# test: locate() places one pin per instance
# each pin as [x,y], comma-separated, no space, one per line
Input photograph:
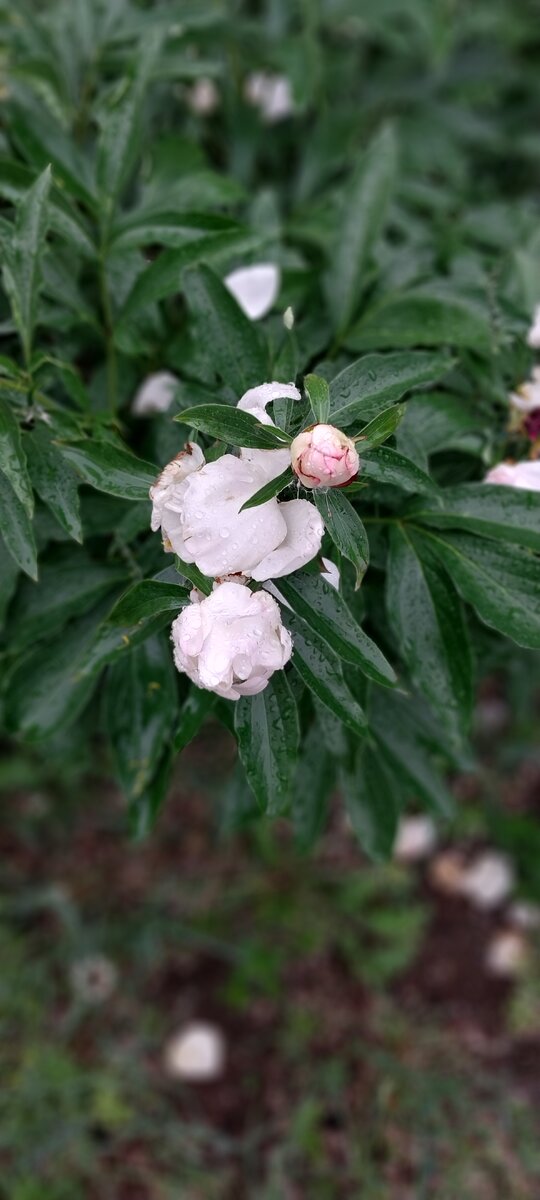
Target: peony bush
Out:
[269,393]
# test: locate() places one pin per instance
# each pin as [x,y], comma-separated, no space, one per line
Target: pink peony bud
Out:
[323,456]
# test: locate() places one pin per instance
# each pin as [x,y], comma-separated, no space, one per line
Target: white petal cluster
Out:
[520,475]
[232,641]
[533,336]
[155,394]
[527,397]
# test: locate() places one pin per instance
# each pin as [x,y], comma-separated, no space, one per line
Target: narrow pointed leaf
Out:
[318,394]
[13,458]
[271,489]
[345,528]
[322,672]
[234,426]
[267,730]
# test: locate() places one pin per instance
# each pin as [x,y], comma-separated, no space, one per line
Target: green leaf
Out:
[380,428]
[69,582]
[145,807]
[64,219]
[501,582]
[234,426]
[196,577]
[345,528]
[120,136]
[142,611]
[409,746]
[47,690]
[165,276]
[192,714]
[271,489]
[431,636]
[505,513]
[422,317]
[371,803]
[140,711]
[238,355]
[322,673]
[12,457]
[318,394]
[325,611]
[313,783]
[9,573]
[174,229]
[17,530]
[54,481]
[110,469]
[364,212]
[268,732]
[22,269]
[387,466]
[373,383]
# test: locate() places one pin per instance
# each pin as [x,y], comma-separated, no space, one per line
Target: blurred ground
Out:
[370,1051]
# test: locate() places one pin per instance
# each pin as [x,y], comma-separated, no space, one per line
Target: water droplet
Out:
[372,375]
[224,533]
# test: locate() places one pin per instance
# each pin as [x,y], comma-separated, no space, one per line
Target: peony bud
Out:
[521,475]
[324,457]
[254,288]
[232,641]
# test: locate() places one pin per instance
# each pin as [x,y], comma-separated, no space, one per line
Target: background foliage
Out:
[401,203]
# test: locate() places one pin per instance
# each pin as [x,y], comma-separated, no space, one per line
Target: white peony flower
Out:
[506,954]
[254,288]
[256,399]
[416,839]
[521,475]
[527,397]
[196,1053]
[323,456]
[203,97]
[533,336]
[155,395]
[488,880]
[232,641]
[271,94]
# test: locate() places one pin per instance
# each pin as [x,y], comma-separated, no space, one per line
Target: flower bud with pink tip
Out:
[323,456]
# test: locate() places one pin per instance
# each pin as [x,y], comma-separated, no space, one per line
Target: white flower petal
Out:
[219,538]
[521,475]
[256,399]
[331,573]
[533,336]
[196,1053]
[155,395]
[165,490]
[254,288]
[305,531]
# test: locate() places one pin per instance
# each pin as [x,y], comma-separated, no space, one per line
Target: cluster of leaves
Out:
[400,202]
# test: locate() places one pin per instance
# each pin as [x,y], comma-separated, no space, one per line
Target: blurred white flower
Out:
[288,318]
[533,336]
[155,395]
[203,97]
[416,838]
[526,398]
[271,94]
[254,288]
[323,456]
[521,475]
[506,954]
[232,641]
[447,871]
[489,880]
[196,1053]
[524,914]
[331,573]
[93,978]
